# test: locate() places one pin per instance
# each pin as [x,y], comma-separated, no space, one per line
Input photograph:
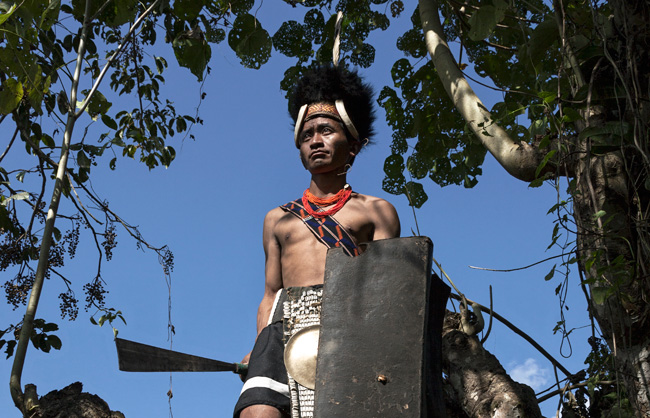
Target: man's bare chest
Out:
[290,230]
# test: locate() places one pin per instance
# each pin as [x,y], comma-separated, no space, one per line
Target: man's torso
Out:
[303,255]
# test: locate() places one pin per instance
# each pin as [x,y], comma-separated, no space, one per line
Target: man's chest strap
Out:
[327,229]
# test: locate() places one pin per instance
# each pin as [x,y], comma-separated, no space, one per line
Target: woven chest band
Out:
[327,230]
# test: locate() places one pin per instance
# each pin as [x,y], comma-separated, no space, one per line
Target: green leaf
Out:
[50,15]
[82,160]
[570,115]
[547,157]
[484,20]
[241,6]
[538,127]
[54,341]
[599,214]
[9,350]
[602,134]
[8,13]
[50,326]
[109,122]
[291,40]
[415,193]
[250,41]
[98,104]
[161,64]
[20,176]
[541,40]
[192,52]
[10,95]
[394,165]
[599,294]
[401,69]
[550,274]
[48,141]
[547,96]
[92,321]
[187,9]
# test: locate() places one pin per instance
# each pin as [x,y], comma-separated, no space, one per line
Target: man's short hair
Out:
[329,84]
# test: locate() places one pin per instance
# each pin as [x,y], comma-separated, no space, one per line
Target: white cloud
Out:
[530,373]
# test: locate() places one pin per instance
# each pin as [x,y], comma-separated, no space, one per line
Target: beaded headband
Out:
[336,111]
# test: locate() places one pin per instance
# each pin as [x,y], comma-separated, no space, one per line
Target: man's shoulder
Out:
[381,214]
[372,201]
[273,215]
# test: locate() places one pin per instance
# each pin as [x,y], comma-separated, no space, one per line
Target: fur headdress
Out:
[340,94]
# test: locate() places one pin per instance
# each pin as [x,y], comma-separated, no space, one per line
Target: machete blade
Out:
[137,357]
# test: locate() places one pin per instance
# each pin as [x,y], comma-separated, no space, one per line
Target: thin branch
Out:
[571,387]
[80,203]
[447,276]
[116,53]
[37,205]
[521,334]
[65,280]
[521,268]
[487,333]
[94,233]
[9,145]
[129,228]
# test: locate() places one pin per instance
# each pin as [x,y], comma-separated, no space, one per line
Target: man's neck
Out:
[323,185]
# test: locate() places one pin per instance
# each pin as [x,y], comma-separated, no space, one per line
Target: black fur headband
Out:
[329,84]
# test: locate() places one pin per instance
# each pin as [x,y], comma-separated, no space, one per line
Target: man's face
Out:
[324,146]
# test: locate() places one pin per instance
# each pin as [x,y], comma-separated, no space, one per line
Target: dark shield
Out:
[379,353]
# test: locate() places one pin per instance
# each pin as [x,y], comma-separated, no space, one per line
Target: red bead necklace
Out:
[338,200]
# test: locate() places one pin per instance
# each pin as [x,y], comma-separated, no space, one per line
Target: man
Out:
[332,109]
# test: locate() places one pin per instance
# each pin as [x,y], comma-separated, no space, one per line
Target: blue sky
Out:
[209,206]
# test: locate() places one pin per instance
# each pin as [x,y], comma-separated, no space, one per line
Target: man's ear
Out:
[355,148]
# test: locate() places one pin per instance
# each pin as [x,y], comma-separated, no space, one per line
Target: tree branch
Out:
[9,145]
[521,268]
[520,333]
[118,51]
[519,159]
[571,387]
[46,241]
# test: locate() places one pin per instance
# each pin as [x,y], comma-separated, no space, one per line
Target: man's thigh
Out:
[260,411]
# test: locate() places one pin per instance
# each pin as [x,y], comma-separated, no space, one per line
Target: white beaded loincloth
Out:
[302,309]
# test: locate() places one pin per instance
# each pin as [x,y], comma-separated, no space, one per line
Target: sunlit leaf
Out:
[10,95]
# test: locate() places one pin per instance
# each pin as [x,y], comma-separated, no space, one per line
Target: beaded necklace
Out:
[339,200]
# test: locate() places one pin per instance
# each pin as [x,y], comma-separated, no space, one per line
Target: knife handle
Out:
[241,369]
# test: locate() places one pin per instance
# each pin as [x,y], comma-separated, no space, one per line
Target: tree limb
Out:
[520,333]
[13,138]
[46,242]
[519,159]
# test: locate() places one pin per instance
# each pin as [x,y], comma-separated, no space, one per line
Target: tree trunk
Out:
[611,255]
[477,385]
[614,245]
[70,402]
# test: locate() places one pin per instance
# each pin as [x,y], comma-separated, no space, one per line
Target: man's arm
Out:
[272,269]
[272,272]
[385,219]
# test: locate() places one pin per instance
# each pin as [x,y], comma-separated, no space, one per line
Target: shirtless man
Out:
[328,143]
